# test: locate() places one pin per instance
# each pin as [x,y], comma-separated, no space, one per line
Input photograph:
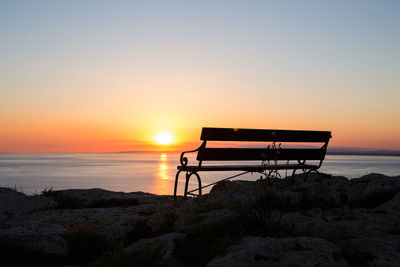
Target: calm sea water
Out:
[147,172]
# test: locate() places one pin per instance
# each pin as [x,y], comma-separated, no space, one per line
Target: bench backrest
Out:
[256,135]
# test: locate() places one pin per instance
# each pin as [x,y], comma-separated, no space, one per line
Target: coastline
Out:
[338,222]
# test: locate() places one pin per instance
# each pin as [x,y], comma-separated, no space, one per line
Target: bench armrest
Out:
[184,160]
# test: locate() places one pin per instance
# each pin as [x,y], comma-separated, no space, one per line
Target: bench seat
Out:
[248,168]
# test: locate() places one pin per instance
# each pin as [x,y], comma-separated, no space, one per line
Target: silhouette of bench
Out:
[272,157]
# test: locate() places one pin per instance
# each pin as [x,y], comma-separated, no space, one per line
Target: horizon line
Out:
[331,151]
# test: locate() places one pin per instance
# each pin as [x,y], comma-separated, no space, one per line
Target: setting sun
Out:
[163,138]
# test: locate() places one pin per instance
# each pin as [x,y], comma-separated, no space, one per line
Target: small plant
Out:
[263,217]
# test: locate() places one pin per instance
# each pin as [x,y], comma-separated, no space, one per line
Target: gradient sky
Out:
[95,76]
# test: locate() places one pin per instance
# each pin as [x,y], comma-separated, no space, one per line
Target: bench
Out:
[271,158]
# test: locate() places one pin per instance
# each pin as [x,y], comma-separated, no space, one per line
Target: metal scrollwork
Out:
[184,160]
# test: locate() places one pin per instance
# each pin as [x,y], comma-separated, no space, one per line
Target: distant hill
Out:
[359,151]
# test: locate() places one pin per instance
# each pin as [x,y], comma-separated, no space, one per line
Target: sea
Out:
[150,172]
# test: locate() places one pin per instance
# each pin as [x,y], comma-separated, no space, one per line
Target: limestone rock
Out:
[380,182]
[376,251]
[363,187]
[303,251]
[318,193]
[237,193]
[95,197]
[112,223]
[361,215]
[45,238]
[14,204]
[192,222]
[161,247]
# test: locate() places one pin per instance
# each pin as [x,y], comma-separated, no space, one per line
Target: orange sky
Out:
[81,78]
[53,136]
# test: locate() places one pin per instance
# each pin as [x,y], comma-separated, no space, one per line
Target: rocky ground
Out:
[336,222]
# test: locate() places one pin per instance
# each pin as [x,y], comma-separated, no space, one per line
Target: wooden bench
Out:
[272,157]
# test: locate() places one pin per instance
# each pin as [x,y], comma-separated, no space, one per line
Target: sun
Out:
[163,138]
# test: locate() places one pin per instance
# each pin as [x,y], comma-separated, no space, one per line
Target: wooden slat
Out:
[249,168]
[256,135]
[215,154]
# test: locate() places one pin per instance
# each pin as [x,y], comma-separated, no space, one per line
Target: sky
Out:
[104,76]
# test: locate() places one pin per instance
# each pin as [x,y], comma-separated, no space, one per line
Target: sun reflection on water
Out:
[162,184]
[163,171]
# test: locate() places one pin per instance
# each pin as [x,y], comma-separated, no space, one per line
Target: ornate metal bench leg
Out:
[186,185]
[176,184]
[199,182]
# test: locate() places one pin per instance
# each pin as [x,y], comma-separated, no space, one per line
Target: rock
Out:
[236,193]
[303,251]
[374,251]
[386,217]
[14,204]
[391,207]
[292,197]
[100,198]
[318,193]
[362,216]
[304,223]
[361,188]
[44,238]
[162,220]
[379,183]
[94,194]
[331,225]
[112,223]
[8,192]
[192,222]
[92,198]
[158,247]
